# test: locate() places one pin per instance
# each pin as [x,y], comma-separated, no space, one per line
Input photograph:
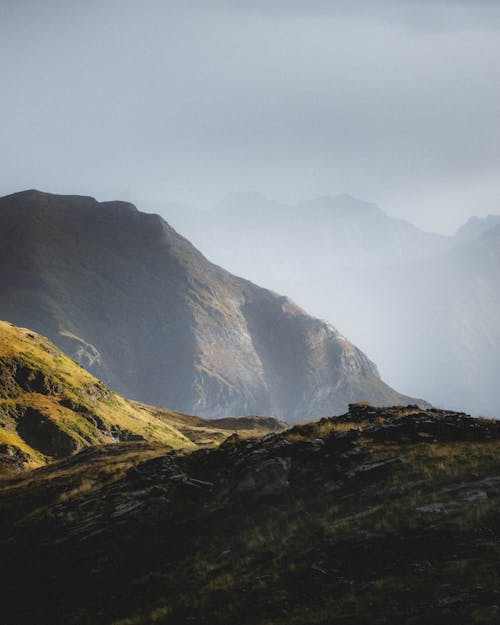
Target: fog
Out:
[395,102]
[171,105]
[425,307]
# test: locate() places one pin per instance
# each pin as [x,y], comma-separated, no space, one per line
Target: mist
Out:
[172,101]
[393,109]
[424,306]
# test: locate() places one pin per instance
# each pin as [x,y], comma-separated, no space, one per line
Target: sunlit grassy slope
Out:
[50,407]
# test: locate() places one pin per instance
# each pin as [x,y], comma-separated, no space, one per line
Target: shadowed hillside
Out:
[142,309]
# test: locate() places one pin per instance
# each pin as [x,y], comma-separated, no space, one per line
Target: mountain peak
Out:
[171,328]
[34,195]
[474,227]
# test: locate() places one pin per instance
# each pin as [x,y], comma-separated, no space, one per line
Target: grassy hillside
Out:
[51,408]
[379,517]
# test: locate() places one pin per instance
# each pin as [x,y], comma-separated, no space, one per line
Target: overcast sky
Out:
[157,101]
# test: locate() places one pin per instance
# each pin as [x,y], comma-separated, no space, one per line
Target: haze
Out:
[173,105]
[184,101]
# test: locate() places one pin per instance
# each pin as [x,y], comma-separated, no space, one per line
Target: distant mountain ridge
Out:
[476,227]
[302,239]
[423,305]
[146,312]
[324,232]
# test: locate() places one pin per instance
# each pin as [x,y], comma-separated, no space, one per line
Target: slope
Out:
[51,408]
[433,325]
[378,517]
[299,241]
[139,306]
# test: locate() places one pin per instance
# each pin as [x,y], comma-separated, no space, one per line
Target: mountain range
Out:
[302,239]
[425,307]
[137,305]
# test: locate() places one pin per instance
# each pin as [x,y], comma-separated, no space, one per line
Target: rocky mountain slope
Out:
[380,516]
[50,408]
[141,308]
[424,306]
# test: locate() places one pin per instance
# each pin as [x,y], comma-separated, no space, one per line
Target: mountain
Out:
[424,306]
[476,227]
[141,308]
[50,408]
[434,325]
[455,301]
[378,517]
[301,239]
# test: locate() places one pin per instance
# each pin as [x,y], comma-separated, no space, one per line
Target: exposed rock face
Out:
[426,307]
[141,308]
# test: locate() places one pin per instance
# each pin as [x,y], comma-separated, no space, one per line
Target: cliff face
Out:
[141,308]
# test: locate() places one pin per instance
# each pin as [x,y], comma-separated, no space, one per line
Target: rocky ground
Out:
[382,515]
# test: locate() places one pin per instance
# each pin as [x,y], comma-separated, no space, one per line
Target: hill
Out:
[380,516]
[51,408]
[142,309]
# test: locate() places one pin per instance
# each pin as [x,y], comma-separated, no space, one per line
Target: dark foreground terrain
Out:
[379,516]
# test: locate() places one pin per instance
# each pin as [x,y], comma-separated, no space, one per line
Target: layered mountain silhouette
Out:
[476,227]
[301,240]
[432,325]
[141,308]
[445,313]
[425,306]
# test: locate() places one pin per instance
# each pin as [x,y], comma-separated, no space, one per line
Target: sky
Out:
[186,100]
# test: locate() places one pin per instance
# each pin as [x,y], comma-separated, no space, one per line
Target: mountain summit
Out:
[135,303]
